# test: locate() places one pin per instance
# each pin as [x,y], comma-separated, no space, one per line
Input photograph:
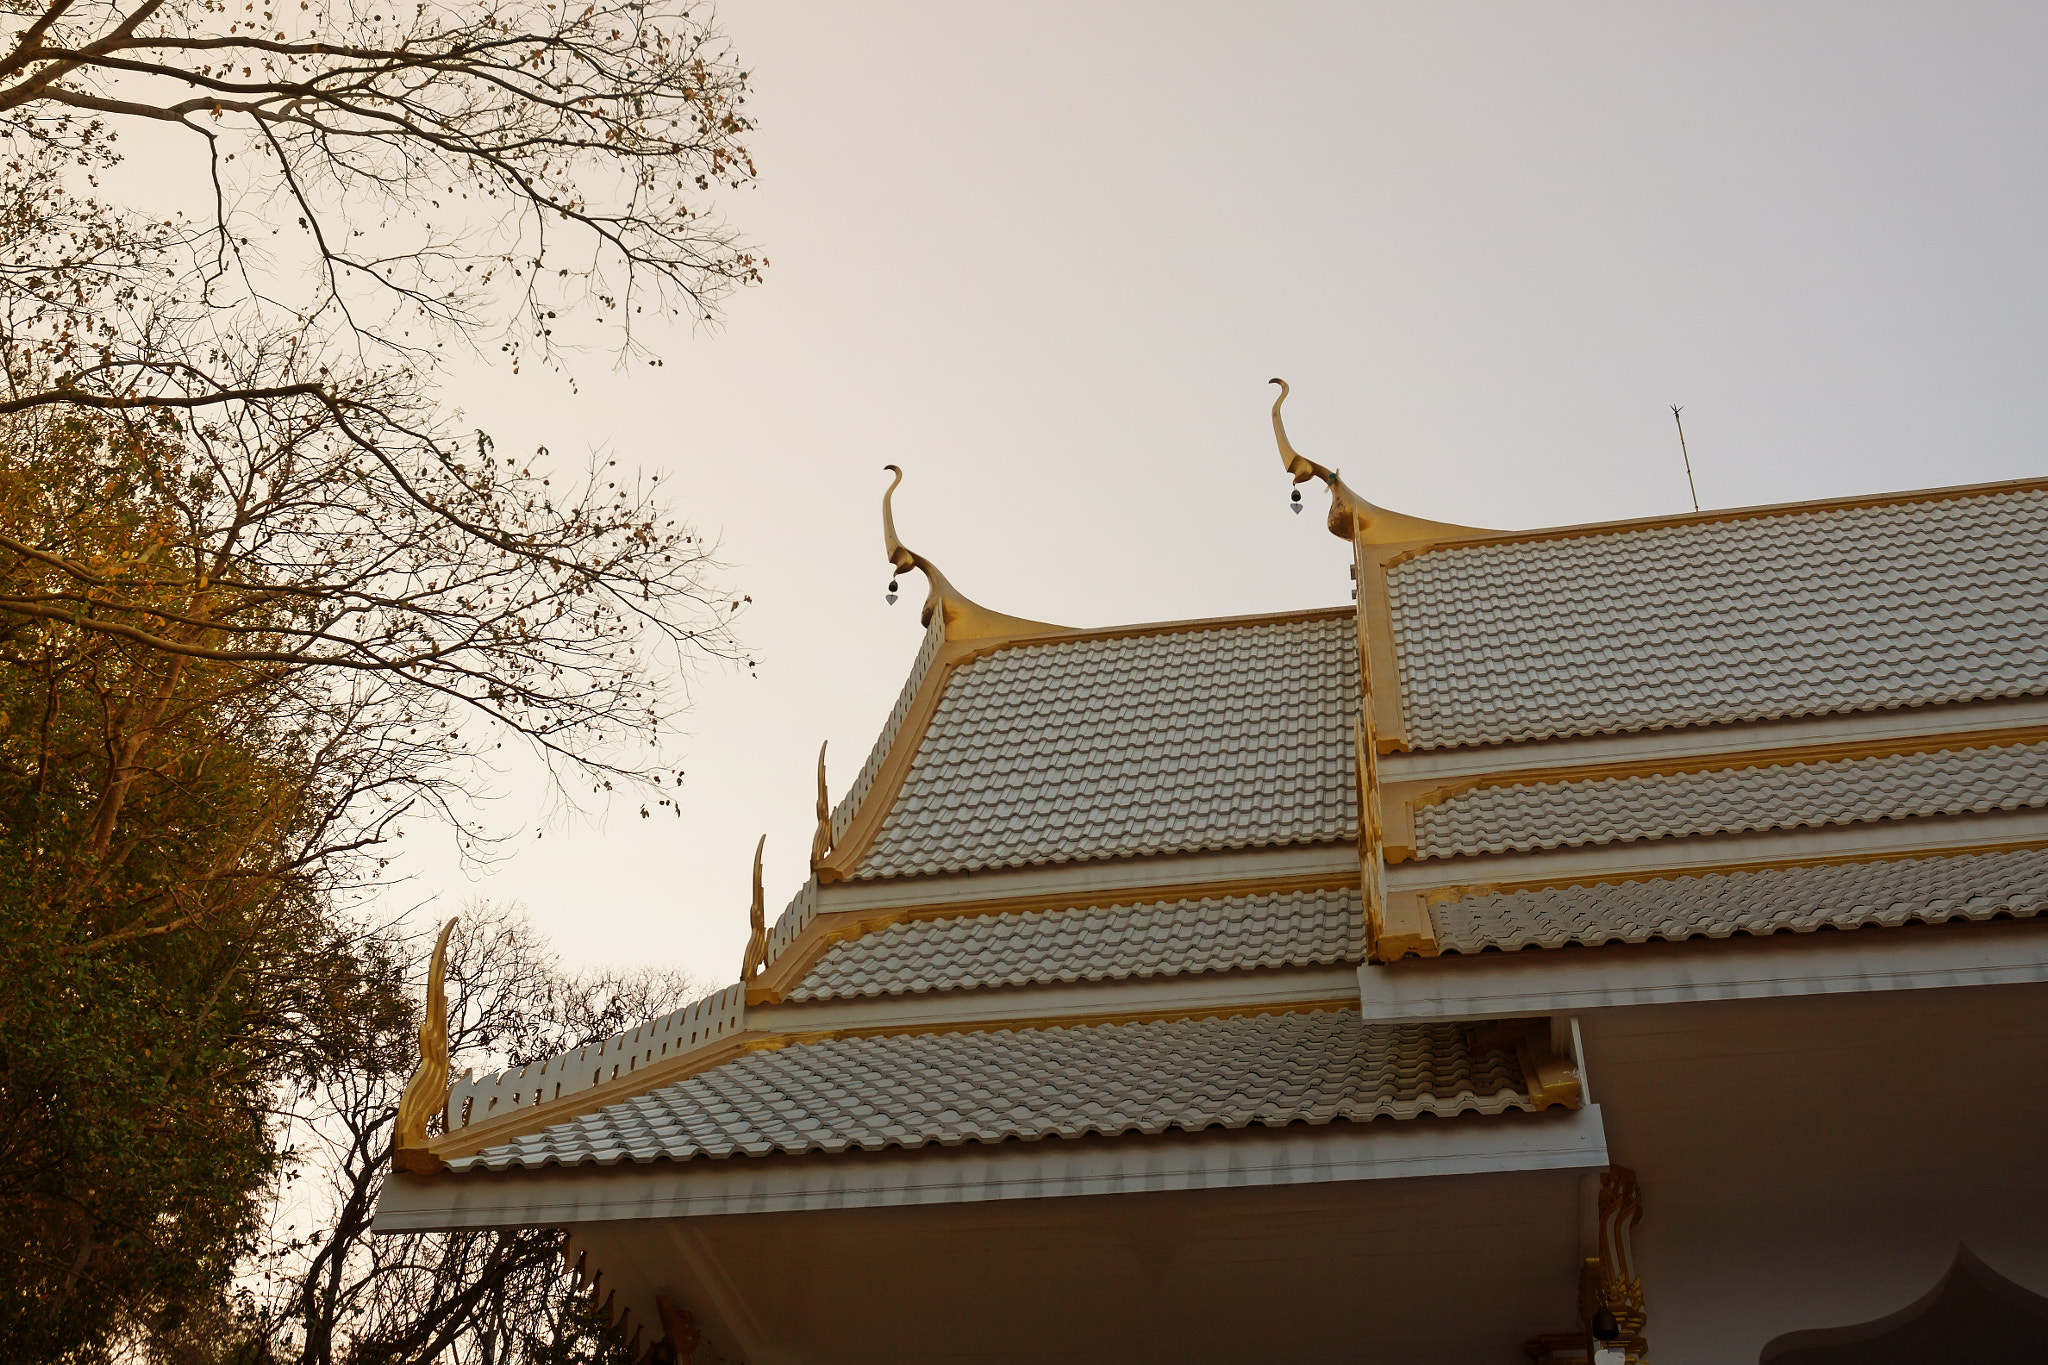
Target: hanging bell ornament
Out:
[891,594]
[1294,501]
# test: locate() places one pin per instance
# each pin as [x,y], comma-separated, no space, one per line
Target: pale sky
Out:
[1046,257]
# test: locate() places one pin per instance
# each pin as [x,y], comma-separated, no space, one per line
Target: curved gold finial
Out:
[1352,517]
[427,1092]
[964,619]
[757,918]
[821,842]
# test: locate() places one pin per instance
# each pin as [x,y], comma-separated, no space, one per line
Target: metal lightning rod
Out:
[1686,456]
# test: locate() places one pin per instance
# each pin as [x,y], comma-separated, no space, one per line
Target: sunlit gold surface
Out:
[965,619]
[757,920]
[1610,1280]
[1352,517]
[821,840]
[427,1092]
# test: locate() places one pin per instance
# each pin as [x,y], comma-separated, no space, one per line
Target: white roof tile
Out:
[1292,929]
[1218,738]
[864,780]
[909,1091]
[1798,613]
[1783,796]
[1977,886]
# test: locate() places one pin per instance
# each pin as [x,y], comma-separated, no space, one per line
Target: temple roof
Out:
[1121,880]
[1230,933]
[1888,892]
[911,1090]
[1928,598]
[1519,817]
[1059,749]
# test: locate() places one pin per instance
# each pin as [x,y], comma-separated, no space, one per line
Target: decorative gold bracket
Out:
[1609,1282]
[964,619]
[427,1092]
[757,919]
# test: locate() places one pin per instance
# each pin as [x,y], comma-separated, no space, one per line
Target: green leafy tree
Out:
[262,596]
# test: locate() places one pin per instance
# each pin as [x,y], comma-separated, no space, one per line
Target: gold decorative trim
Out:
[1609,1284]
[1351,517]
[757,922]
[821,841]
[964,619]
[1403,799]
[426,1094]
[1381,726]
[866,825]
[1549,1077]
[803,953]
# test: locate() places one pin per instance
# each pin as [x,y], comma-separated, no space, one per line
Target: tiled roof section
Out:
[1227,737]
[1801,613]
[864,781]
[1978,886]
[913,1090]
[1293,929]
[1784,796]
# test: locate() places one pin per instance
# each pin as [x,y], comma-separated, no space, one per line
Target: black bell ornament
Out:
[1294,501]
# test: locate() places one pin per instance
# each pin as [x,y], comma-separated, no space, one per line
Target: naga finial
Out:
[1352,517]
[963,619]
[427,1091]
[821,842]
[757,919]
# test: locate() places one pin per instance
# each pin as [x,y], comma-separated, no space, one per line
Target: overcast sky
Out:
[1046,257]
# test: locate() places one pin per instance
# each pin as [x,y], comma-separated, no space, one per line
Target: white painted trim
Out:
[1384,1149]
[1555,980]
[1182,991]
[1091,883]
[1984,831]
[1953,720]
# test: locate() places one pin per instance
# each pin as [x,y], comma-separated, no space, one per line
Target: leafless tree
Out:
[338,1294]
[380,181]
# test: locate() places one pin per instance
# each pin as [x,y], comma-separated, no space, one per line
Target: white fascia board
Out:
[1710,852]
[1384,1149]
[1193,991]
[1092,883]
[1705,741]
[1557,980]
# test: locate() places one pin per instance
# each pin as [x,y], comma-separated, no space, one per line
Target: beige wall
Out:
[1813,1162]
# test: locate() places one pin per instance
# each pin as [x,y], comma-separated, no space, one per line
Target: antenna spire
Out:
[1686,456]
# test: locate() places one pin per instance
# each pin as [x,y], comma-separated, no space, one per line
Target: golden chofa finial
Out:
[757,921]
[964,619]
[1352,517]
[427,1092]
